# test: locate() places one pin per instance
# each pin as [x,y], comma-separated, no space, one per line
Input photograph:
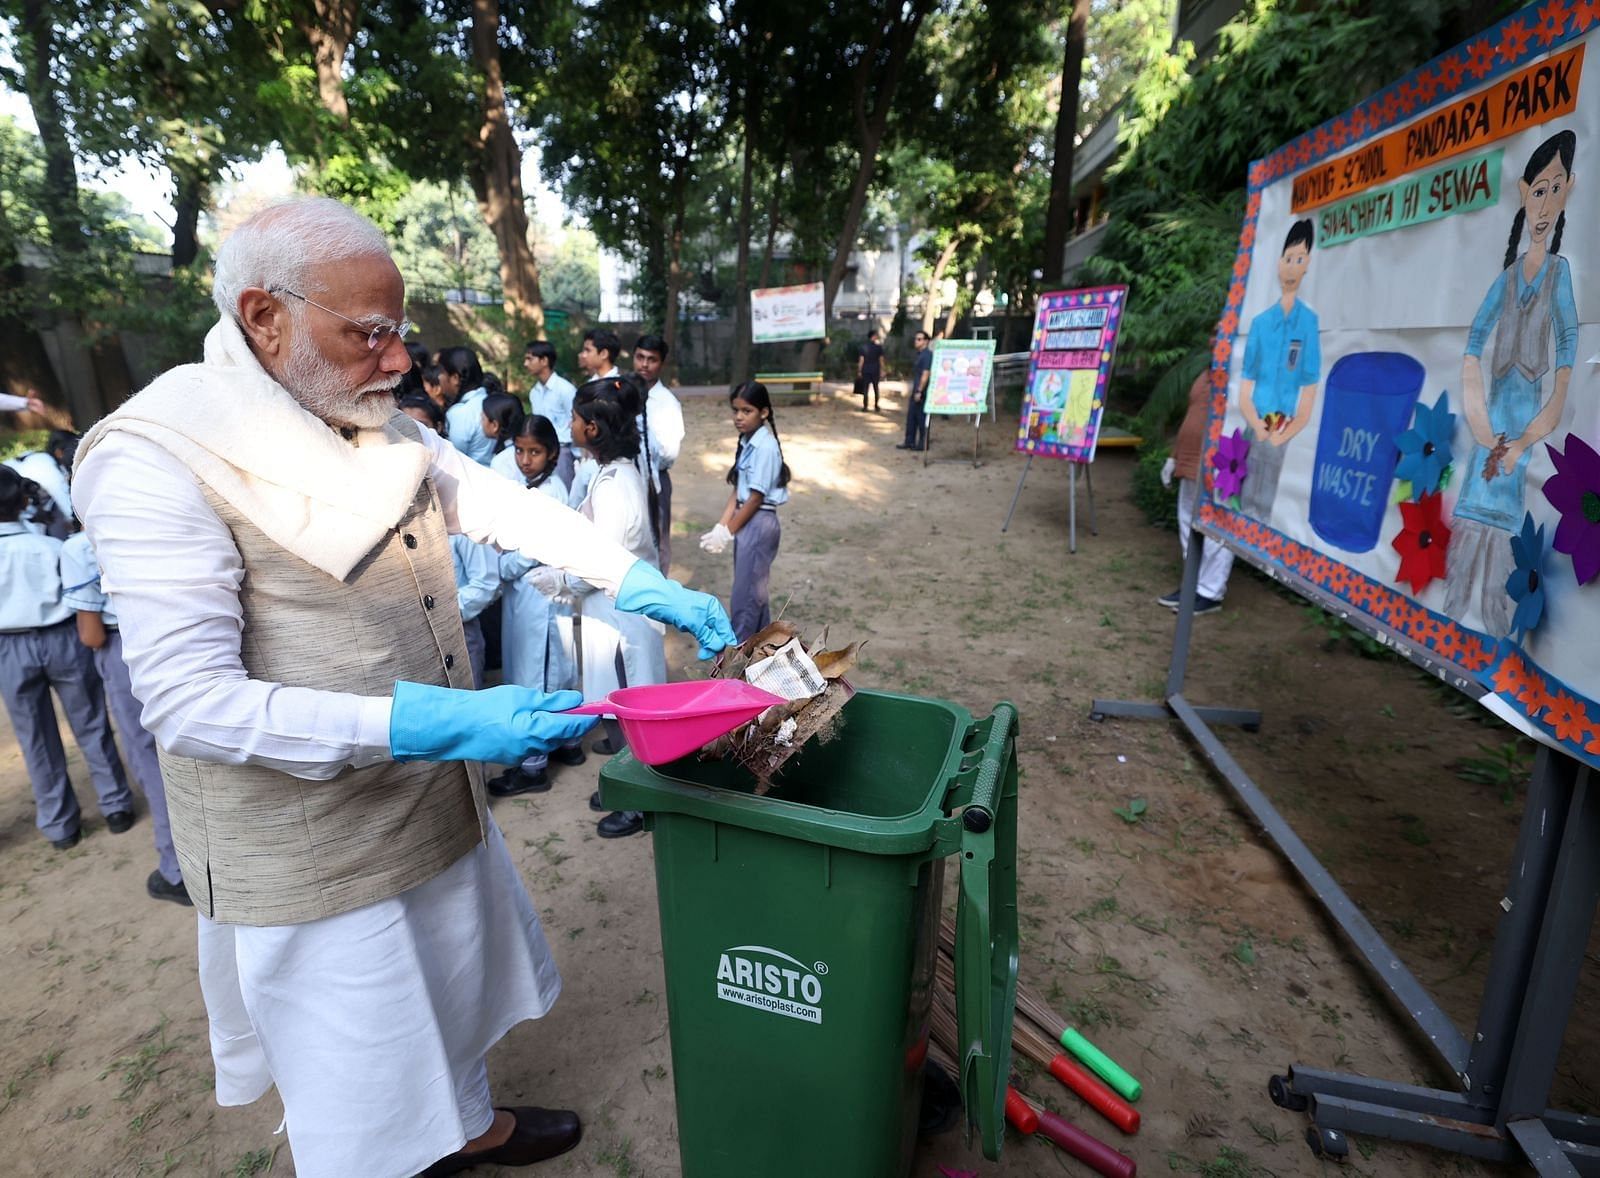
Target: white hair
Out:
[278,246]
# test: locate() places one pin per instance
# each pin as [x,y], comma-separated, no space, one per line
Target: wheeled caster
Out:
[1098,717]
[1327,1143]
[1254,727]
[1286,1097]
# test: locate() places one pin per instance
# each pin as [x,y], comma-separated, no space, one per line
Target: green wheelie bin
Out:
[800,931]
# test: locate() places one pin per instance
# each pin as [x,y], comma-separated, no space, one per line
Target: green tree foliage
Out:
[1177,194]
[1126,37]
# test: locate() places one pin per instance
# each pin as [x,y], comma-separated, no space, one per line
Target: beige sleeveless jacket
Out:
[261,847]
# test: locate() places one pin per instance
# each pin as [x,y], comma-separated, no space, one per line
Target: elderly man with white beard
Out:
[274,536]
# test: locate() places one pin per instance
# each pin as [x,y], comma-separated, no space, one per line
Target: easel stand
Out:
[1503,1072]
[927,442]
[1072,499]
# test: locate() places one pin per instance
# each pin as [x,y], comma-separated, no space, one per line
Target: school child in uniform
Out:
[477,588]
[476,565]
[619,649]
[502,419]
[97,630]
[39,649]
[536,632]
[760,479]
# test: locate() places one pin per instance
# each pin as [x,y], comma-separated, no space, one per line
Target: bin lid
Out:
[986,933]
[986,923]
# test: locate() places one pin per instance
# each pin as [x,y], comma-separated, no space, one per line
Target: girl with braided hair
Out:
[1528,322]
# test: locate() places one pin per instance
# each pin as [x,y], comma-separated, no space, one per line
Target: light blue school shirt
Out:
[80,579]
[1282,355]
[477,575]
[757,468]
[30,579]
[553,399]
[464,421]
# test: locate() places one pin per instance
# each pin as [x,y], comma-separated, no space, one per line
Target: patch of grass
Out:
[1504,767]
[1414,832]
[144,1066]
[619,1156]
[1134,812]
[257,1161]
[1229,1163]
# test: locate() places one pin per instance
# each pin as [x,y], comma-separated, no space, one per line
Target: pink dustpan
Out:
[665,721]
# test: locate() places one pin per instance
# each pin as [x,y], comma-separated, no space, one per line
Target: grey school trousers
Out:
[754,550]
[31,663]
[139,747]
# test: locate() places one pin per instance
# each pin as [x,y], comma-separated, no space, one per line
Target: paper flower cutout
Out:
[1232,461]
[1422,542]
[1574,491]
[1526,583]
[1425,447]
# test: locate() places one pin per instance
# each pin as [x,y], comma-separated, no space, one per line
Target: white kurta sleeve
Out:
[666,424]
[491,510]
[172,572]
[11,403]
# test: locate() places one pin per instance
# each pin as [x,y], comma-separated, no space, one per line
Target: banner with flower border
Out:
[1074,342]
[1406,376]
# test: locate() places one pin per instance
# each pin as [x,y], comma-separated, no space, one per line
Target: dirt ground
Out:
[1174,935]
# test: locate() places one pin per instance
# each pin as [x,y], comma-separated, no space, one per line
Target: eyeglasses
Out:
[377,336]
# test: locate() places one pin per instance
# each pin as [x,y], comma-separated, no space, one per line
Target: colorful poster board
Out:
[780,313]
[1406,380]
[962,369]
[1074,341]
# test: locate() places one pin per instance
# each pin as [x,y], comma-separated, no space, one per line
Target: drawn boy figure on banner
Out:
[1282,365]
[1530,310]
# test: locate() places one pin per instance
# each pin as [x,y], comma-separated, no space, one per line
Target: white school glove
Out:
[1167,467]
[553,583]
[717,539]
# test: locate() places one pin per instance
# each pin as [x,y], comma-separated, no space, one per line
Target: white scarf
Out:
[327,500]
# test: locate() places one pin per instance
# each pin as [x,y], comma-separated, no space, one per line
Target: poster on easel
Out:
[1406,380]
[1074,343]
[962,370]
[780,313]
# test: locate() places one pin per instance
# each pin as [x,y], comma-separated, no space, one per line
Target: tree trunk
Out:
[60,193]
[870,126]
[188,202]
[871,123]
[669,328]
[497,179]
[741,309]
[773,207]
[930,308]
[1058,214]
[329,25]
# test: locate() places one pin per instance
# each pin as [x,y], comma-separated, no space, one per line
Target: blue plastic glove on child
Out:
[501,724]
[645,591]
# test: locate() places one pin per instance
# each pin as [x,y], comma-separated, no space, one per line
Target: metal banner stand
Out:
[1072,500]
[927,445]
[1504,1071]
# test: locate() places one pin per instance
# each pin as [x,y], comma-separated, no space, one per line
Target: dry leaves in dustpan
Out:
[772,660]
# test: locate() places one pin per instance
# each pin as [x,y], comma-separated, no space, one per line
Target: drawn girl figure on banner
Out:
[1533,319]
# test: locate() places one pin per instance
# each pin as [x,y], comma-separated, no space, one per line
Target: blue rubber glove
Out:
[502,724]
[645,591]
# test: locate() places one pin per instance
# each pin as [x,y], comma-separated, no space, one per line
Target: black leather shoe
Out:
[69,842]
[594,803]
[540,1133]
[119,821]
[160,889]
[569,756]
[903,446]
[515,781]
[620,825]
[603,747]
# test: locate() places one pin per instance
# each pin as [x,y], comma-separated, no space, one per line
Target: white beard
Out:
[319,387]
